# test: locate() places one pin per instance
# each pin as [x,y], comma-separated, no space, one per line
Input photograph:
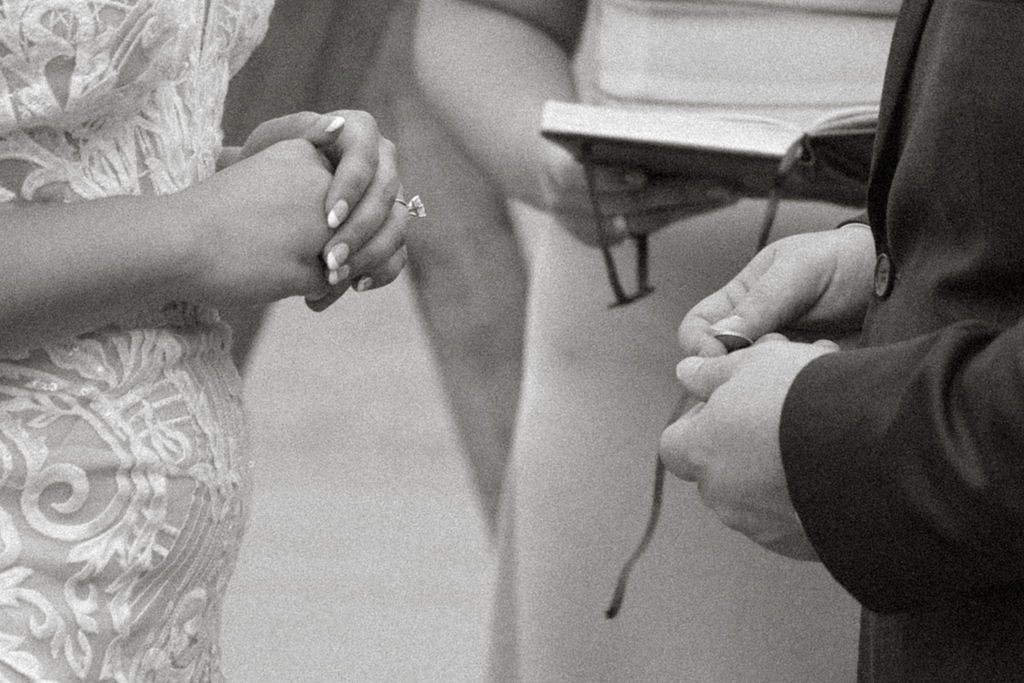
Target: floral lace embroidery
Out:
[123,484]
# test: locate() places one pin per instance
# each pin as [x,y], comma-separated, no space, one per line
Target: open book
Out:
[829,161]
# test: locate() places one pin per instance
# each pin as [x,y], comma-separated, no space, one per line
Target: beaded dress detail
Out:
[123,473]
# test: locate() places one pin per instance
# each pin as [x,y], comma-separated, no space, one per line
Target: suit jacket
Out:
[905,458]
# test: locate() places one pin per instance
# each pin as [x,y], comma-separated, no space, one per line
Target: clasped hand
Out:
[727,442]
[305,190]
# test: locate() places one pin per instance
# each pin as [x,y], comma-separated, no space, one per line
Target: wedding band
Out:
[414,206]
[732,341]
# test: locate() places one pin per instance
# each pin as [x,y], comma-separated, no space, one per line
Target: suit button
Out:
[883,276]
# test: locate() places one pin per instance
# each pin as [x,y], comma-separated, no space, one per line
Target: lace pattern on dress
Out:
[123,479]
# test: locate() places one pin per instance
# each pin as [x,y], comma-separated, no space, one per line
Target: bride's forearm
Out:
[463,52]
[67,268]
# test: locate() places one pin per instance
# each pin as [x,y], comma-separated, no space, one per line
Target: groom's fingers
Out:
[676,448]
[771,337]
[700,376]
[778,297]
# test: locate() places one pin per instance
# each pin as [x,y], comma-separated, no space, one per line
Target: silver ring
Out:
[414,206]
[732,341]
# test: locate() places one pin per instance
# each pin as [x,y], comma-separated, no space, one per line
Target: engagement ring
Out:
[414,206]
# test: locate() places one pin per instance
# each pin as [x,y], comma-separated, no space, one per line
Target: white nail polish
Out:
[336,123]
[332,278]
[337,255]
[337,214]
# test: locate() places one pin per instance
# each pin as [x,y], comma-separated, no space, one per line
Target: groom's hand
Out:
[728,441]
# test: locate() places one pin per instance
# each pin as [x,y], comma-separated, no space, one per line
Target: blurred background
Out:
[366,557]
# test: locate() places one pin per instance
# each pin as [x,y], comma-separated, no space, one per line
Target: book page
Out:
[850,121]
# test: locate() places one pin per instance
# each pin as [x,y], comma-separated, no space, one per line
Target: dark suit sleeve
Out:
[906,464]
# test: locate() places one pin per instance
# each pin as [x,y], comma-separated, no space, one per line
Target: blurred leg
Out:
[468,274]
[470,285]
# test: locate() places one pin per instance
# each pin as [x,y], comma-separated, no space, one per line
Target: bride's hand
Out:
[368,248]
[252,233]
[630,201]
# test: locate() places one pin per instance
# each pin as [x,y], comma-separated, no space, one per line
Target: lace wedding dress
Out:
[123,474]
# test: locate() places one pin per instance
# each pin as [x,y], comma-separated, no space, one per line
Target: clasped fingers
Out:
[380,258]
[370,231]
[363,160]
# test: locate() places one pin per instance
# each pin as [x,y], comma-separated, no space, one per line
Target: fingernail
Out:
[337,214]
[336,123]
[344,272]
[364,284]
[337,255]
[333,278]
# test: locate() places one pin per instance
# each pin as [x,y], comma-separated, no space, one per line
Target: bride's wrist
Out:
[181,247]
